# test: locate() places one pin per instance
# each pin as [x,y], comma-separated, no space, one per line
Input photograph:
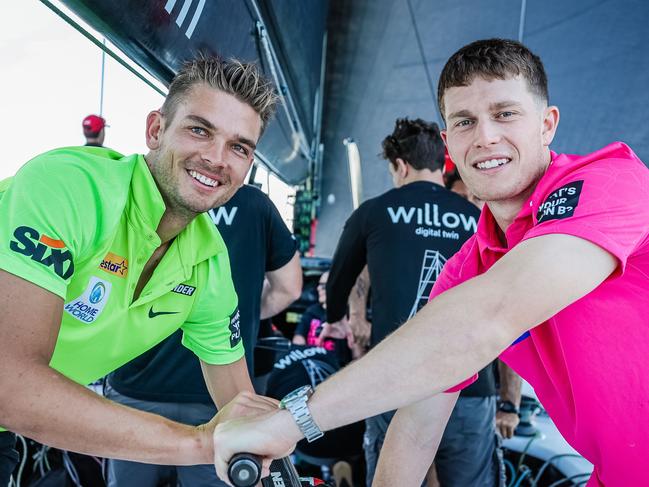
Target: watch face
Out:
[304,391]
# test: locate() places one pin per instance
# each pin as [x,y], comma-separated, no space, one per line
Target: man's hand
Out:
[506,423]
[510,390]
[269,435]
[244,404]
[362,331]
[339,330]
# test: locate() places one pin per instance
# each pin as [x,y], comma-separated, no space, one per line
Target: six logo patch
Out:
[561,203]
[90,304]
[114,264]
[235,328]
[45,250]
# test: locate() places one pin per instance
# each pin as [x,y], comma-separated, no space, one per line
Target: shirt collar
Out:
[199,241]
[487,232]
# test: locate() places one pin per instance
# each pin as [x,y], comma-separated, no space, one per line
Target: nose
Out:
[214,154]
[487,133]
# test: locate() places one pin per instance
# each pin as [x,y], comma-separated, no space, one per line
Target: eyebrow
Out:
[493,107]
[210,125]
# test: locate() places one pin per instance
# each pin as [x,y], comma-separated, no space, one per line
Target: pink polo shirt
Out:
[589,363]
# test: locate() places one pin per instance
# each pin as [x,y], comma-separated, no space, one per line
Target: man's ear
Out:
[154,128]
[550,124]
[402,168]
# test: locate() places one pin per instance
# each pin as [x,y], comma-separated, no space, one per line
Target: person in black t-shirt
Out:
[405,236]
[167,379]
[312,322]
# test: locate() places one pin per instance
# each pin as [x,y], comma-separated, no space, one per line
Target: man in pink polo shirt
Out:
[555,281]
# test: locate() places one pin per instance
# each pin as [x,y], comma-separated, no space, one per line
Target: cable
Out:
[526,473]
[71,469]
[92,39]
[425,63]
[549,462]
[23,461]
[571,479]
[510,466]
[524,452]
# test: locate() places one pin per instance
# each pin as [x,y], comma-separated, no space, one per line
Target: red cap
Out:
[93,124]
[449,165]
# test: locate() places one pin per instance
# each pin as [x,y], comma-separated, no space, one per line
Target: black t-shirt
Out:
[405,236]
[258,241]
[310,326]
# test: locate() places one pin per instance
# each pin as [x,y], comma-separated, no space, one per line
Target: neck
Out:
[423,175]
[505,211]
[171,224]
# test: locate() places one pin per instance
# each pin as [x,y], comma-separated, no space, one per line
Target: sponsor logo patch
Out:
[153,314]
[87,307]
[114,264]
[561,203]
[184,289]
[45,250]
[235,328]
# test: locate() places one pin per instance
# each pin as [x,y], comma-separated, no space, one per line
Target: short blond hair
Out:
[242,80]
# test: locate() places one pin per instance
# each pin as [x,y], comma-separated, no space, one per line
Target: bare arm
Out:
[412,441]
[361,328]
[530,284]
[281,288]
[510,390]
[527,286]
[224,382]
[39,402]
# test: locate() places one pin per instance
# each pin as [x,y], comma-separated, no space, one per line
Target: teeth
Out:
[491,163]
[203,179]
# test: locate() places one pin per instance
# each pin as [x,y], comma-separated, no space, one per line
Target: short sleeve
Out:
[605,202]
[49,220]
[213,330]
[280,241]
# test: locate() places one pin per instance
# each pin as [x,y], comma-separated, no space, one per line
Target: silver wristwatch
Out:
[296,403]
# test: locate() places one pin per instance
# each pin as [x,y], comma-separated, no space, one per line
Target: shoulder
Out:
[609,177]
[78,170]
[610,166]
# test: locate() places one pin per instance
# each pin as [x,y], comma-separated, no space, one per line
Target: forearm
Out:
[224,382]
[281,287]
[361,328]
[445,343]
[510,384]
[412,441]
[44,405]
[274,301]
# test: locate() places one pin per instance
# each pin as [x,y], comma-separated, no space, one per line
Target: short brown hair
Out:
[417,142]
[242,80]
[493,59]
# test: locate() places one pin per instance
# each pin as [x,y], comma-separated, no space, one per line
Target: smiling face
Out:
[498,134]
[201,156]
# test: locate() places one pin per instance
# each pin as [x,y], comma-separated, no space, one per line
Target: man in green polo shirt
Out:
[103,256]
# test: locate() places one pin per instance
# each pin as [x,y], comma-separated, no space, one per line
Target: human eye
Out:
[240,149]
[200,131]
[463,123]
[505,114]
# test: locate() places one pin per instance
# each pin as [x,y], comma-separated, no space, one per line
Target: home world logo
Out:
[87,307]
[181,14]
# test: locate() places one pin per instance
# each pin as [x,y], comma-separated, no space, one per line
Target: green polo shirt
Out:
[81,223]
